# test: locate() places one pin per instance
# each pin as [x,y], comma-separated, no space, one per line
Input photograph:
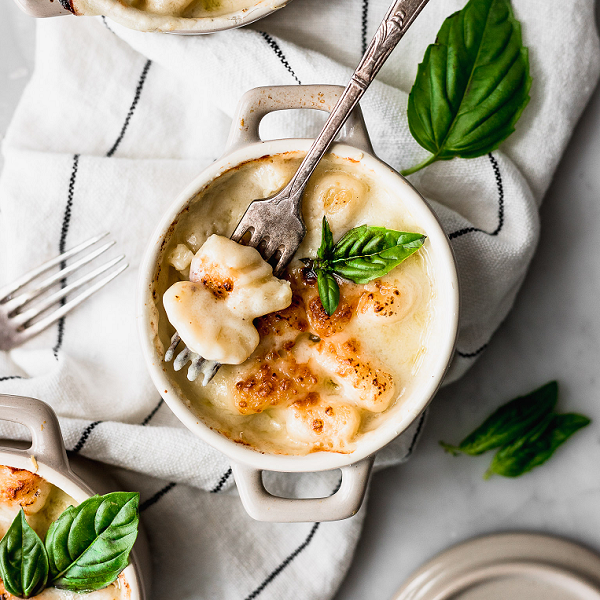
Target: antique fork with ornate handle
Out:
[275,224]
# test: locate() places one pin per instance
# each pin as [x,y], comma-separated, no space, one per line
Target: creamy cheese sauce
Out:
[43,503]
[314,383]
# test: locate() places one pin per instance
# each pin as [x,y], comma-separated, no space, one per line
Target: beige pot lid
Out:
[508,566]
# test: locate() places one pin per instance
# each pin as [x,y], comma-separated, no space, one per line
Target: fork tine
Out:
[170,353]
[24,298]
[240,231]
[40,307]
[270,249]
[286,255]
[195,368]
[256,238]
[11,288]
[181,359]
[34,329]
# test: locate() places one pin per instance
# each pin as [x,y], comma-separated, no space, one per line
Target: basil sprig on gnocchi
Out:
[361,255]
[85,548]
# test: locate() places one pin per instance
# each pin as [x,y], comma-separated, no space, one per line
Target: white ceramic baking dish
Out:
[195,26]
[244,144]
[47,458]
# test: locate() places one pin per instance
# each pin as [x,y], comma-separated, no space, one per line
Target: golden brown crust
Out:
[265,386]
[18,486]
[325,325]
[278,323]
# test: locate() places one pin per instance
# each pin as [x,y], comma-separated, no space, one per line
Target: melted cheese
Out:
[314,382]
[43,503]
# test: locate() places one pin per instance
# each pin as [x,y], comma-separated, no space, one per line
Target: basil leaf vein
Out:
[89,544]
[473,84]
[23,559]
[511,421]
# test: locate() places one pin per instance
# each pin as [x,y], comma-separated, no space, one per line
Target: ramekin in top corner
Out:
[141,20]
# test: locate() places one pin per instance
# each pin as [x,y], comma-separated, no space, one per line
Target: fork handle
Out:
[396,22]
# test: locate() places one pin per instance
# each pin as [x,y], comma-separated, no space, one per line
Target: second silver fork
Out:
[23,301]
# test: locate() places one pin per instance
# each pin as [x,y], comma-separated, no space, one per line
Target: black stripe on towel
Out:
[416,436]
[85,435]
[279,53]
[472,354]
[62,246]
[7,377]
[273,574]
[222,481]
[106,24]
[154,499]
[70,195]
[154,411]
[136,99]
[285,563]
[500,187]
[363,25]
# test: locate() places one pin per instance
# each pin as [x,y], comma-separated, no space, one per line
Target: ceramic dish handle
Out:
[46,439]
[263,506]
[259,102]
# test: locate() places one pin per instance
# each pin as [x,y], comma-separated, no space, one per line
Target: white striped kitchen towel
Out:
[114,123]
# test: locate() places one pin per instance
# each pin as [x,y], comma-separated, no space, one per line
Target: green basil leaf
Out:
[366,253]
[329,291]
[326,241]
[510,422]
[537,447]
[472,85]
[89,545]
[23,559]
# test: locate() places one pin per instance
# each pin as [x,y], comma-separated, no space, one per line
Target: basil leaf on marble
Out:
[23,559]
[473,84]
[89,544]
[537,446]
[509,423]
[329,291]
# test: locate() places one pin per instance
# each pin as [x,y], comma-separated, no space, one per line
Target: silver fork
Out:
[275,224]
[19,321]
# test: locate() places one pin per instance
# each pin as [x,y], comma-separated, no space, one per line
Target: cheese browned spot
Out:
[325,325]
[365,383]
[386,301]
[325,424]
[277,383]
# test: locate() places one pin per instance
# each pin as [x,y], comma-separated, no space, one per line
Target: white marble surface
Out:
[553,332]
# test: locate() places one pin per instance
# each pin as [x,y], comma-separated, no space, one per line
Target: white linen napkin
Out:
[114,123]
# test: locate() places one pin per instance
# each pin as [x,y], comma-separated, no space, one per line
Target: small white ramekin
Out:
[126,15]
[47,458]
[244,144]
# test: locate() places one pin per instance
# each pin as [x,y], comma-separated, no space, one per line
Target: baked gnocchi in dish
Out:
[42,504]
[176,15]
[299,376]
